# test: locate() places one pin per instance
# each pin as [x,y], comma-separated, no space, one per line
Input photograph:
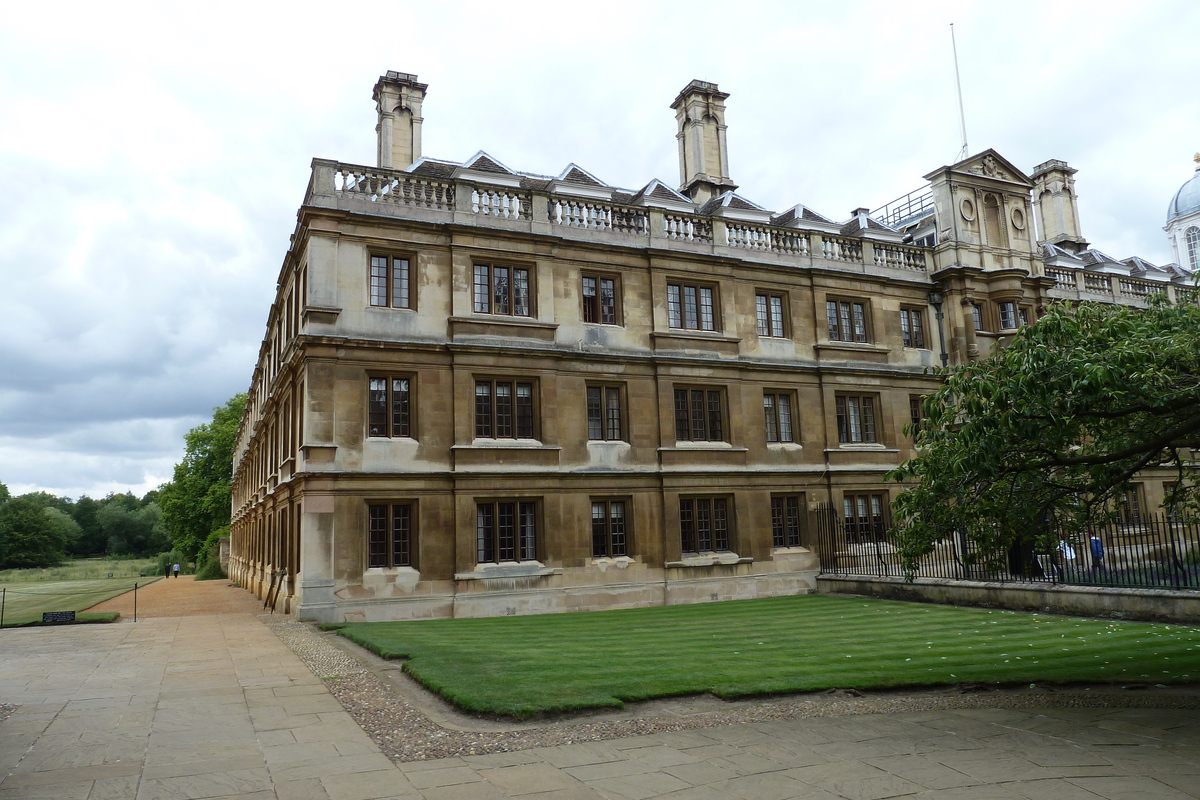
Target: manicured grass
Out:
[24,601]
[522,666]
[79,569]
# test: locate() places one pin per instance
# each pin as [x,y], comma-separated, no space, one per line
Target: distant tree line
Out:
[186,515]
[40,530]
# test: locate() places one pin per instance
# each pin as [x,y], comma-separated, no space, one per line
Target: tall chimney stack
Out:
[398,98]
[703,156]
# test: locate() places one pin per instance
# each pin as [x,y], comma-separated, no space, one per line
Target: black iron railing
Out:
[1152,551]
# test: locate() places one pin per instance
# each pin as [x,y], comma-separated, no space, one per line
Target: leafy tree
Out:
[4,495]
[28,538]
[91,539]
[136,530]
[65,528]
[1054,425]
[197,500]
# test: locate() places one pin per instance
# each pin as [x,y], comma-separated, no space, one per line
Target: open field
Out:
[80,569]
[25,601]
[522,666]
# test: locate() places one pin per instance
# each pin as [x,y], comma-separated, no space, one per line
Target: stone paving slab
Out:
[217,707]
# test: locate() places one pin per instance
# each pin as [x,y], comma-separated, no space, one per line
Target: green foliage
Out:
[1054,426]
[28,538]
[522,666]
[4,495]
[211,571]
[197,500]
[132,529]
[91,539]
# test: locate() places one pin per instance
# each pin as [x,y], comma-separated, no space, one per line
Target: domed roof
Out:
[1187,199]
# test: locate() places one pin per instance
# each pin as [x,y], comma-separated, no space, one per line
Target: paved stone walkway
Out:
[217,707]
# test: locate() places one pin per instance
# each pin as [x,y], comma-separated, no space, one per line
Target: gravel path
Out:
[404,733]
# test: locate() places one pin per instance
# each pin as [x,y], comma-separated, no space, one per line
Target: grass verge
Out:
[24,602]
[522,666]
[79,569]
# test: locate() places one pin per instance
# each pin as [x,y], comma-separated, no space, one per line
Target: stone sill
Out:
[523,569]
[505,444]
[684,447]
[708,560]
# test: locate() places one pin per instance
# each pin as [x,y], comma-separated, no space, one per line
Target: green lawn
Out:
[78,569]
[24,601]
[558,662]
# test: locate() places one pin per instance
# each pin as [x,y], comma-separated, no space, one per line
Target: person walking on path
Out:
[167,570]
[176,569]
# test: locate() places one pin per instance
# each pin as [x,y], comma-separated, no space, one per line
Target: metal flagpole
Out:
[962,117]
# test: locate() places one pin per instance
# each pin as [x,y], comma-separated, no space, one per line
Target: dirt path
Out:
[183,597]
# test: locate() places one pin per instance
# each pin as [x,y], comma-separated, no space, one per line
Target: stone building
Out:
[484,391]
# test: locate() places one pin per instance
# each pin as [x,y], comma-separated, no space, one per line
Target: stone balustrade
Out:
[1105,287]
[399,193]
[598,216]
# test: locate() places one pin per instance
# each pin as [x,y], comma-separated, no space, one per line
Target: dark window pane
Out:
[524,410]
[682,425]
[377,543]
[595,413]
[591,309]
[401,536]
[483,409]
[608,301]
[379,281]
[617,528]
[377,413]
[400,407]
[612,413]
[400,296]
[504,411]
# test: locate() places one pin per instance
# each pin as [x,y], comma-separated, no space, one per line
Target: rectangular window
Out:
[1023,316]
[912,327]
[691,307]
[391,285]
[847,320]
[501,290]
[390,535]
[1130,505]
[856,418]
[388,407]
[506,531]
[916,413]
[599,299]
[777,413]
[504,409]
[698,416]
[604,413]
[864,514]
[703,524]
[1008,316]
[609,531]
[785,520]
[977,316]
[769,311]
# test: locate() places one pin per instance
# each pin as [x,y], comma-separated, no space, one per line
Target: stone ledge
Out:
[1155,605]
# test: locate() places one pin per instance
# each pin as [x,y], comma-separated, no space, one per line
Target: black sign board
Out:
[58,616]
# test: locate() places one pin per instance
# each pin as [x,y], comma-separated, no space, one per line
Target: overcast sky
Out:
[152,156]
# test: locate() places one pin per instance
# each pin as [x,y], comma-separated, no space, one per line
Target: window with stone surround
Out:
[600,299]
[769,314]
[699,415]
[704,524]
[610,531]
[912,327]
[391,281]
[506,530]
[503,290]
[604,413]
[787,519]
[856,418]
[505,409]
[847,320]
[389,406]
[390,535]
[692,306]
[777,415]
[865,516]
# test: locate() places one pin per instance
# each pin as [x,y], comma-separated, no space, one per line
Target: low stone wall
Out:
[1155,605]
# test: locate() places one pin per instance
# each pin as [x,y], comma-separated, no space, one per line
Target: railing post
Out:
[868,253]
[322,190]
[539,214]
